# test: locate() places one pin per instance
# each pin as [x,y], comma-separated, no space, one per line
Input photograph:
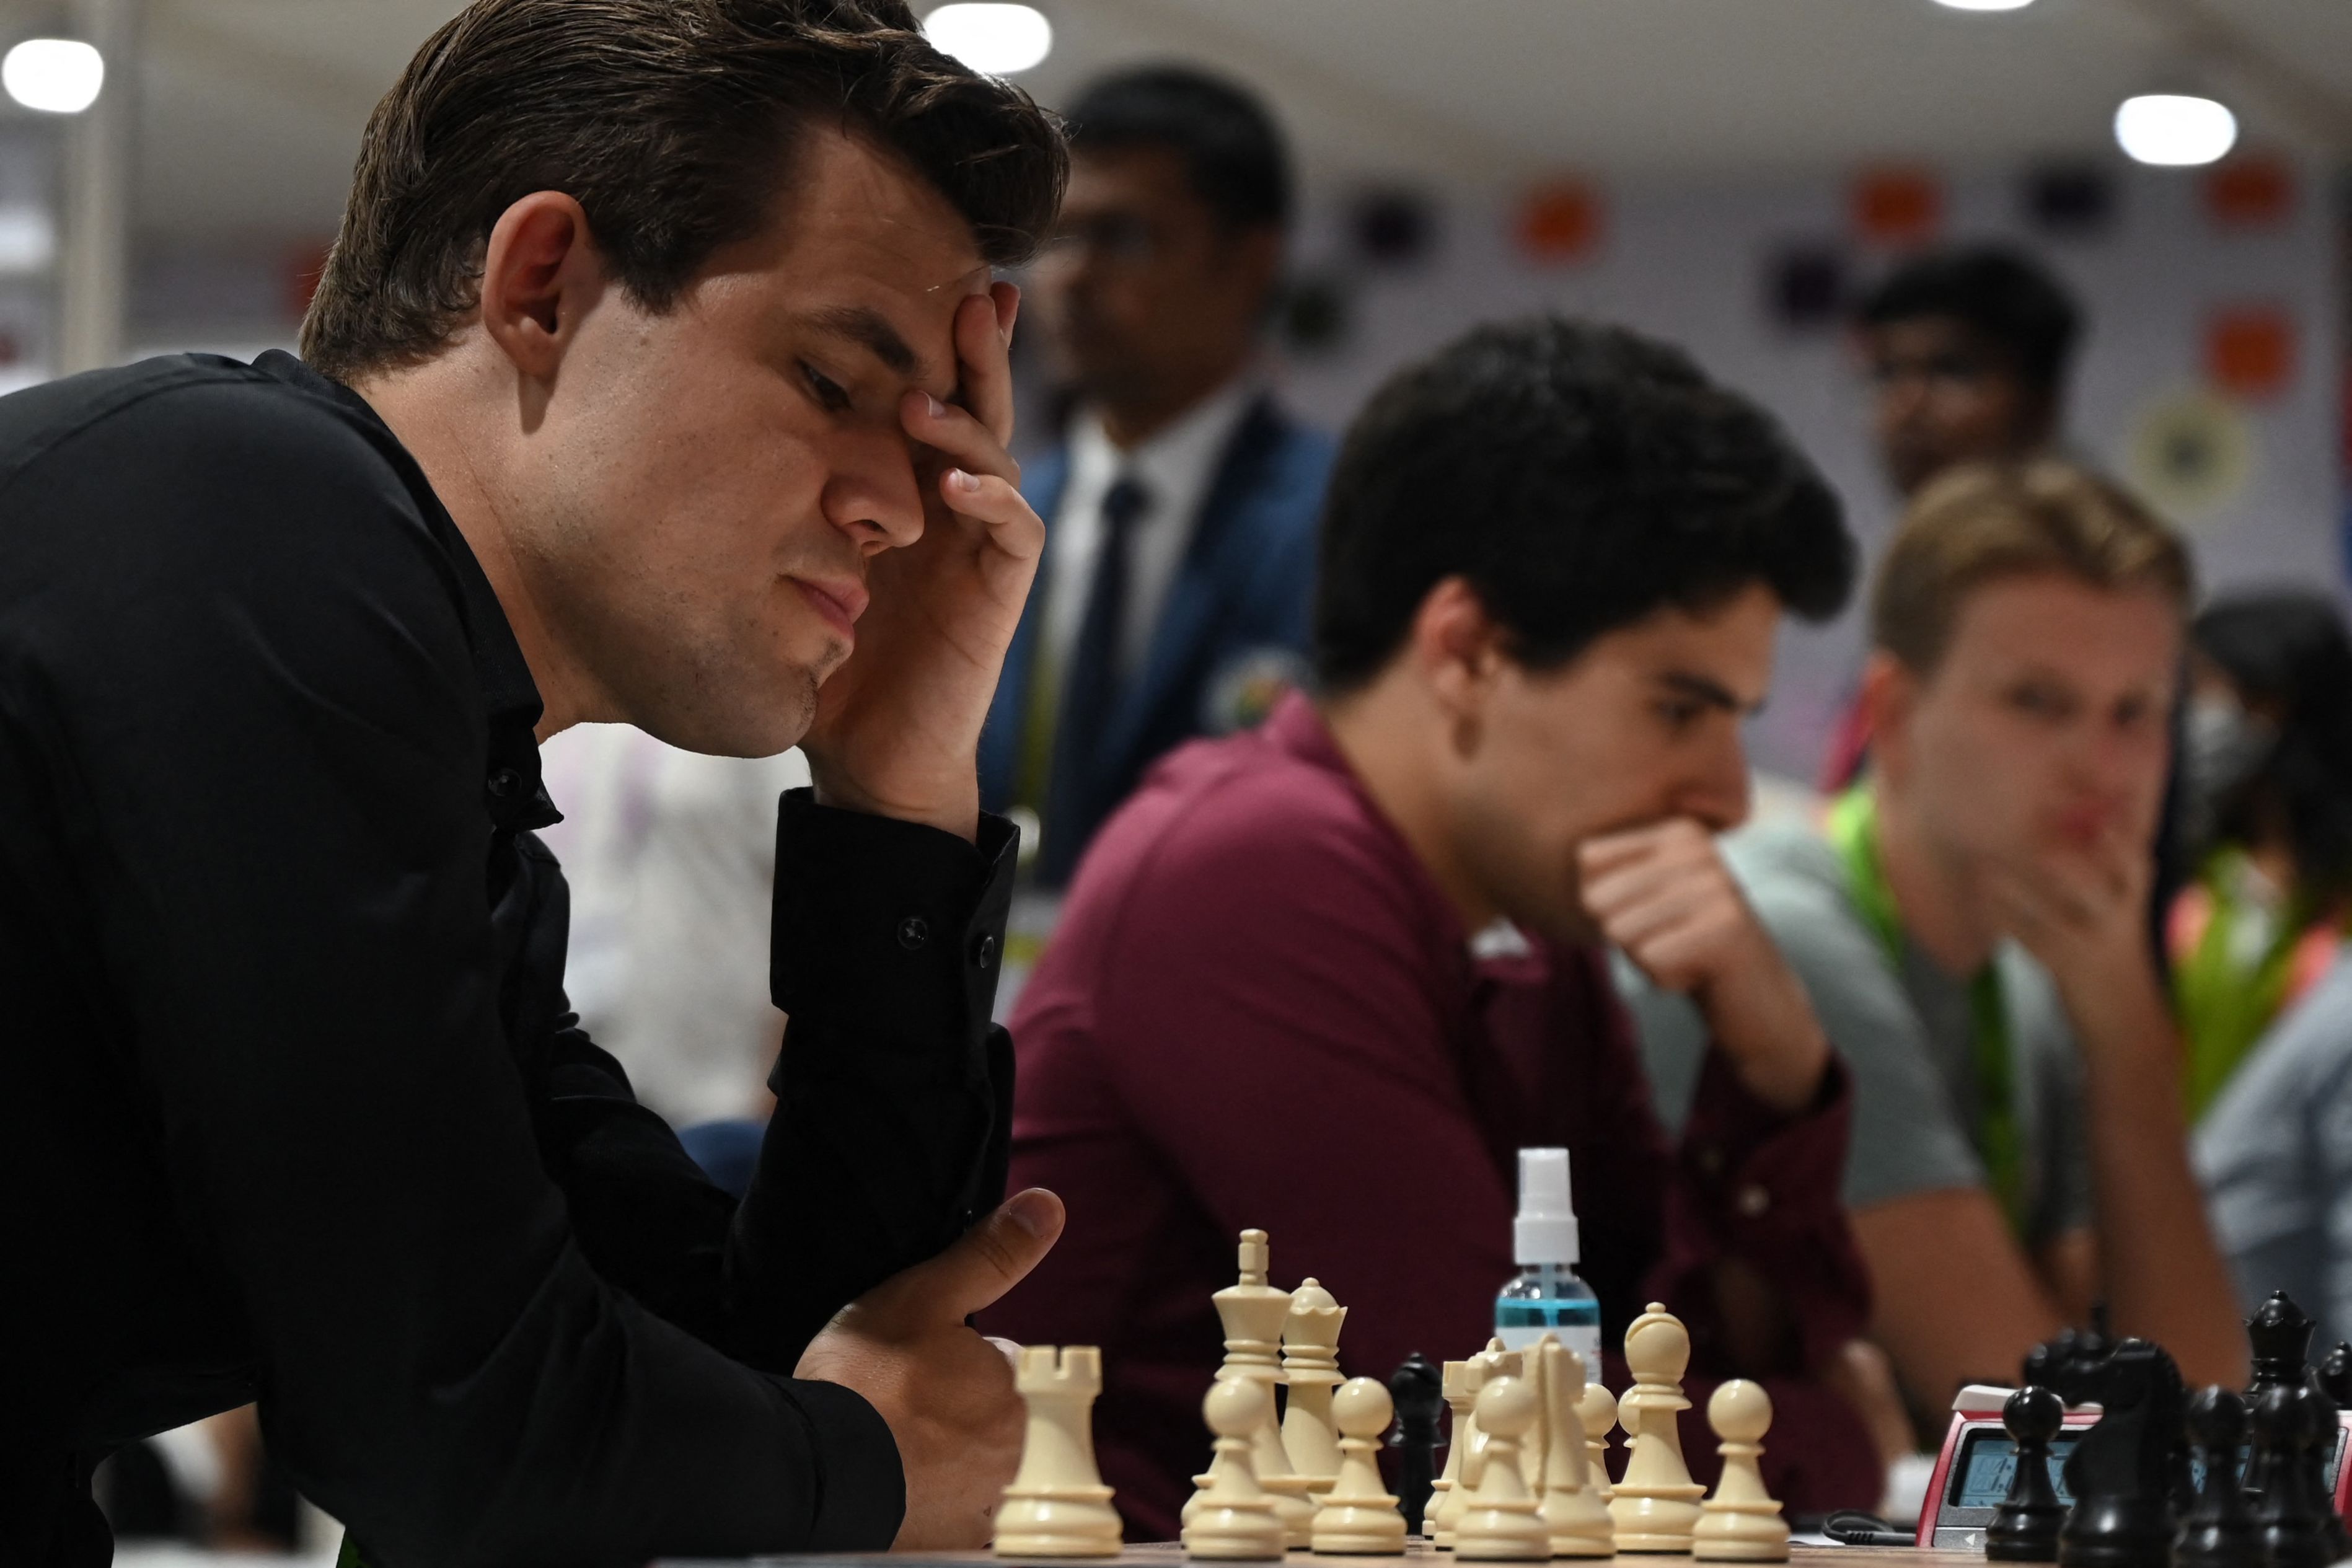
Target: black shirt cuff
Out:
[861,1494]
[896,924]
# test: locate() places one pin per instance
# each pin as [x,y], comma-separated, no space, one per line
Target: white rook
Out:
[1057,1505]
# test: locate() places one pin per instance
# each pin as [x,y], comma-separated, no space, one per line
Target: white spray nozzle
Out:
[1545,1231]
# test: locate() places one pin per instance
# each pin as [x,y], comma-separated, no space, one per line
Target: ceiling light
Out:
[58,76]
[997,39]
[2174,129]
[1986,5]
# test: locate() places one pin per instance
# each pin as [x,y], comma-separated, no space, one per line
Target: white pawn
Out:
[1596,1412]
[1310,1367]
[1358,1513]
[1741,1523]
[1656,1504]
[1439,1515]
[1232,1518]
[1573,1510]
[1057,1505]
[1503,1522]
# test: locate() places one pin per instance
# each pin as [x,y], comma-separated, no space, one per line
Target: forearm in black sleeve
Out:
[644,1213]
[893,1090]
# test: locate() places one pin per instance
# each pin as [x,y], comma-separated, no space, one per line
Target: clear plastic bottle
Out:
[1547,1298]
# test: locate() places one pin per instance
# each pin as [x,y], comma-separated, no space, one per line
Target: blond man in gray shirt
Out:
[1971,923]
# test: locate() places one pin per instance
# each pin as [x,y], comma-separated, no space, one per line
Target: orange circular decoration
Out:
[1897,207]
[2250,350]
[1560,222]
[2253,190]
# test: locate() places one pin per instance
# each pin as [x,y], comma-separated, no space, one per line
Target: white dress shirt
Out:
[671,857]
[1175,468]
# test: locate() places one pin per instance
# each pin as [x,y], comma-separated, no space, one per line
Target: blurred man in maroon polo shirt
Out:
[1326,977]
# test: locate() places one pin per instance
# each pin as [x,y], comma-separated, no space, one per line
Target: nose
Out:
[1719,796]
[874,494]
[2120,761]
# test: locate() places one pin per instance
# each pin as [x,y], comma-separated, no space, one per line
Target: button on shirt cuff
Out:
[900,924]
[1768,1189]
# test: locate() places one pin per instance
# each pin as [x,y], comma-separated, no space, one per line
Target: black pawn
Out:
[2218,1531]
[2335,1376]
[2280,1335]
[2292,1507]
[1419,1391]
[2025,1530]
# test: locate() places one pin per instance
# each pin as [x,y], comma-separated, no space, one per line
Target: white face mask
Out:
[2221,747]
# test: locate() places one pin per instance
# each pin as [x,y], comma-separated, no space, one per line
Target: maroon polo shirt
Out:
[1259,1010]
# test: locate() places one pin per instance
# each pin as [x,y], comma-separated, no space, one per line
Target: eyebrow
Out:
[867,328]
[1714,693]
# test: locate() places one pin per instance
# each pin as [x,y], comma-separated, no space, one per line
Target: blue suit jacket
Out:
[1242,591]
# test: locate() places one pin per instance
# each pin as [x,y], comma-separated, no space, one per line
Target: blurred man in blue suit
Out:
[1181,505]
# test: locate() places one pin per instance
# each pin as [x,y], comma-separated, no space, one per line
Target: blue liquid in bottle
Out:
[1547,1298]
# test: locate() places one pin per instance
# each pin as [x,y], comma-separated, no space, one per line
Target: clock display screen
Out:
[1989,1462]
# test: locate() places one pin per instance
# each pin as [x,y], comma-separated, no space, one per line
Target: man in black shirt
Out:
[659,335]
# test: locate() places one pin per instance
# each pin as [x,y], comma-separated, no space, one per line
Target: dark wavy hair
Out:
[1578,477]
[673,122]
[2003,295]
[2287,652]
[1233,152]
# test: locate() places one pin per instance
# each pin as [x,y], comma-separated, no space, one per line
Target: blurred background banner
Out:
[2208,378]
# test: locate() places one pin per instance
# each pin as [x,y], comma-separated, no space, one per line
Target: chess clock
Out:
[1973,1470]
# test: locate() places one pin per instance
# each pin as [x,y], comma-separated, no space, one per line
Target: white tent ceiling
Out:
[253,107]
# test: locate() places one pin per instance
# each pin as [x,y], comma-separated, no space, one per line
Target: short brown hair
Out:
[1984,522]
[673,123]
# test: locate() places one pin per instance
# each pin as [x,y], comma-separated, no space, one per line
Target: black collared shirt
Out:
[291,1105]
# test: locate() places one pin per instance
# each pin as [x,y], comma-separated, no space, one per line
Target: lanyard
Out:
[1854,832]
[2225,1002]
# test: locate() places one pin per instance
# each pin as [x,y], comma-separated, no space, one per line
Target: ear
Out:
[1456,646]
[541,272]
[1890,694]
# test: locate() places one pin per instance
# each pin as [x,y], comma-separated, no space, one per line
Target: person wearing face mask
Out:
[2263,999]
[1970,923]
[2266,773]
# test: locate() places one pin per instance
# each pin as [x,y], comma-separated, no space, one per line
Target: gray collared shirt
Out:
[2275,1153]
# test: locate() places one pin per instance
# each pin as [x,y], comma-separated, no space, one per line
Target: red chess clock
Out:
[1973,1471]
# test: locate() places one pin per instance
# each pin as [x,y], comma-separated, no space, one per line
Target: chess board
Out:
[1168,1554]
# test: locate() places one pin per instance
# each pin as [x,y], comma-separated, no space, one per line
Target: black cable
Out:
[1851,1527]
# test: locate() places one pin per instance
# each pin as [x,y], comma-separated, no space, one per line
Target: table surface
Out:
[1163,1554]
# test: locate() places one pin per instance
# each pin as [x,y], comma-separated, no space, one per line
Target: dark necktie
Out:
[1074,806]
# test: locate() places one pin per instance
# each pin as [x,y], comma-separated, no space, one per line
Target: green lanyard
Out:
[2225,1003]
[1854,831]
